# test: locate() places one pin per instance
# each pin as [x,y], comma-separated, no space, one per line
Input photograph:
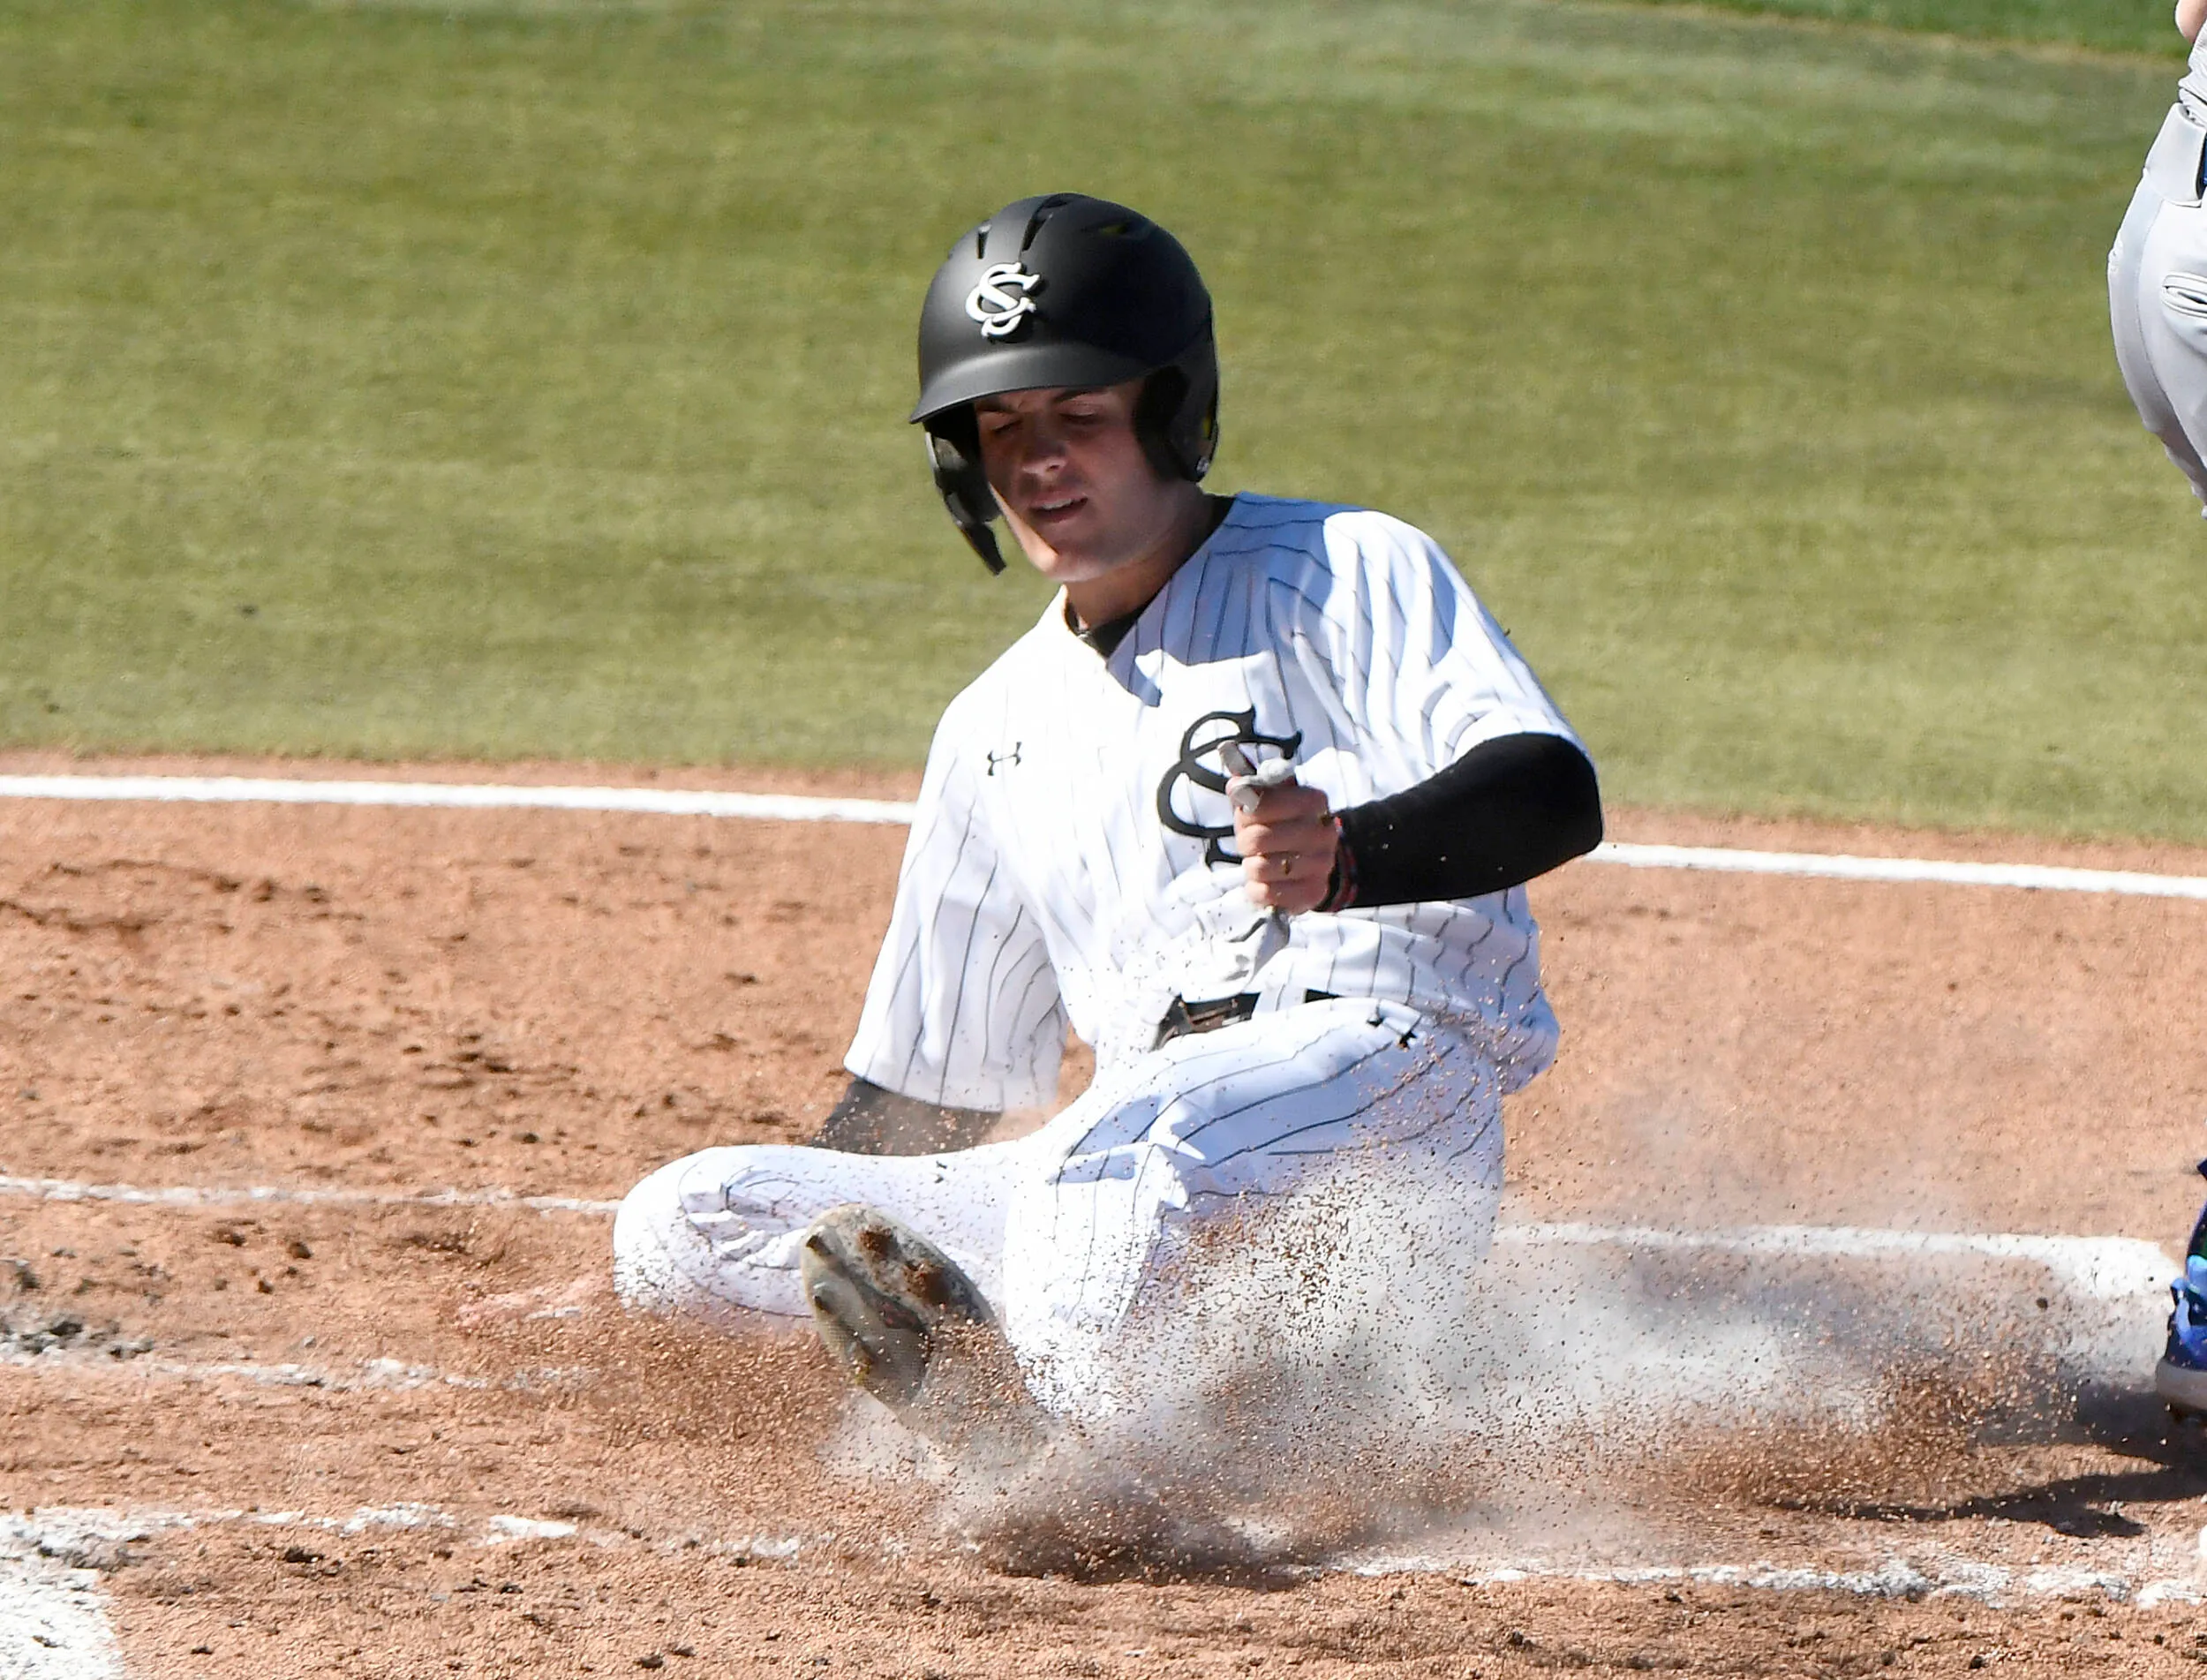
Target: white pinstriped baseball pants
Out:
[1078,1232]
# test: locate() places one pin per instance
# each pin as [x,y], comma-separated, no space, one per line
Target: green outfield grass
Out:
[479,379]
[2114,25]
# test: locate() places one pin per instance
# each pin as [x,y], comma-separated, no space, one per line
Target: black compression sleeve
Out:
[1507,811]
[872,1120]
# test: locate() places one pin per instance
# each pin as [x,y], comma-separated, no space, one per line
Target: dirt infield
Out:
[404,1438]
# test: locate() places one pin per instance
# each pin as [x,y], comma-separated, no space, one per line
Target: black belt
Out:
[1184,1017]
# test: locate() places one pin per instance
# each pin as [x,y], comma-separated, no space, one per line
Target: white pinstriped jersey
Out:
[1070,861]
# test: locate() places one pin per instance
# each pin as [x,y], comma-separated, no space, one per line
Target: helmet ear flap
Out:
[1155,411]
[953,457]
[1177,415]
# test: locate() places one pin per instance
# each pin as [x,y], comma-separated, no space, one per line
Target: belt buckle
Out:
[1184,1017]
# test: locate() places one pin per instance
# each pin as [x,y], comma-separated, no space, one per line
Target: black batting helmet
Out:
[1064,291]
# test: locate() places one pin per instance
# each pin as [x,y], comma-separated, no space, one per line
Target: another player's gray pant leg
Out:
[715,1235]
[2157,295]
[1221,1128]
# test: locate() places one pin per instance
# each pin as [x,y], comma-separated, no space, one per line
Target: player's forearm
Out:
[871,1120]
[1506,811]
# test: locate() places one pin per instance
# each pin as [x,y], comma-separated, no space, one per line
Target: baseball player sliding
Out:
[1250,808]
[2156,293]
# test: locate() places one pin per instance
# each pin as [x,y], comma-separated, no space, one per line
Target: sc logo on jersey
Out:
[1203,739]
[1003,299]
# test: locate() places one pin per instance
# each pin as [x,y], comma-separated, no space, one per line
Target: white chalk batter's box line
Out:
[86,1537]
[793,808]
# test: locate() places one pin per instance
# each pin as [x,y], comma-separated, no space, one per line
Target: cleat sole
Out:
[2184,1389]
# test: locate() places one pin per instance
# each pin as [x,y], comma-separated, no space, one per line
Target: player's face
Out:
[1073,482]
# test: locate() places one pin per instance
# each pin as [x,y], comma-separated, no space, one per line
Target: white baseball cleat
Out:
[908,1326]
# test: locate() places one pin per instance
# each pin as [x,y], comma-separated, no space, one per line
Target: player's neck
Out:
[1127,588]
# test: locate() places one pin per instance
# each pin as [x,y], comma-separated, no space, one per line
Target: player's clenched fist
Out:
[1288,842]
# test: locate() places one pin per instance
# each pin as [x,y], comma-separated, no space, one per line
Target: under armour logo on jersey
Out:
[1204,737]
[1011,757]
[993,303]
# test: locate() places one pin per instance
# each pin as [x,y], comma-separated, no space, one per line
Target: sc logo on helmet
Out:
[993,302]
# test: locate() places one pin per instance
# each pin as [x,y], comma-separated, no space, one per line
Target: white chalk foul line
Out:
[793,808]
[265,790]
[1839,866]
[75,1542]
